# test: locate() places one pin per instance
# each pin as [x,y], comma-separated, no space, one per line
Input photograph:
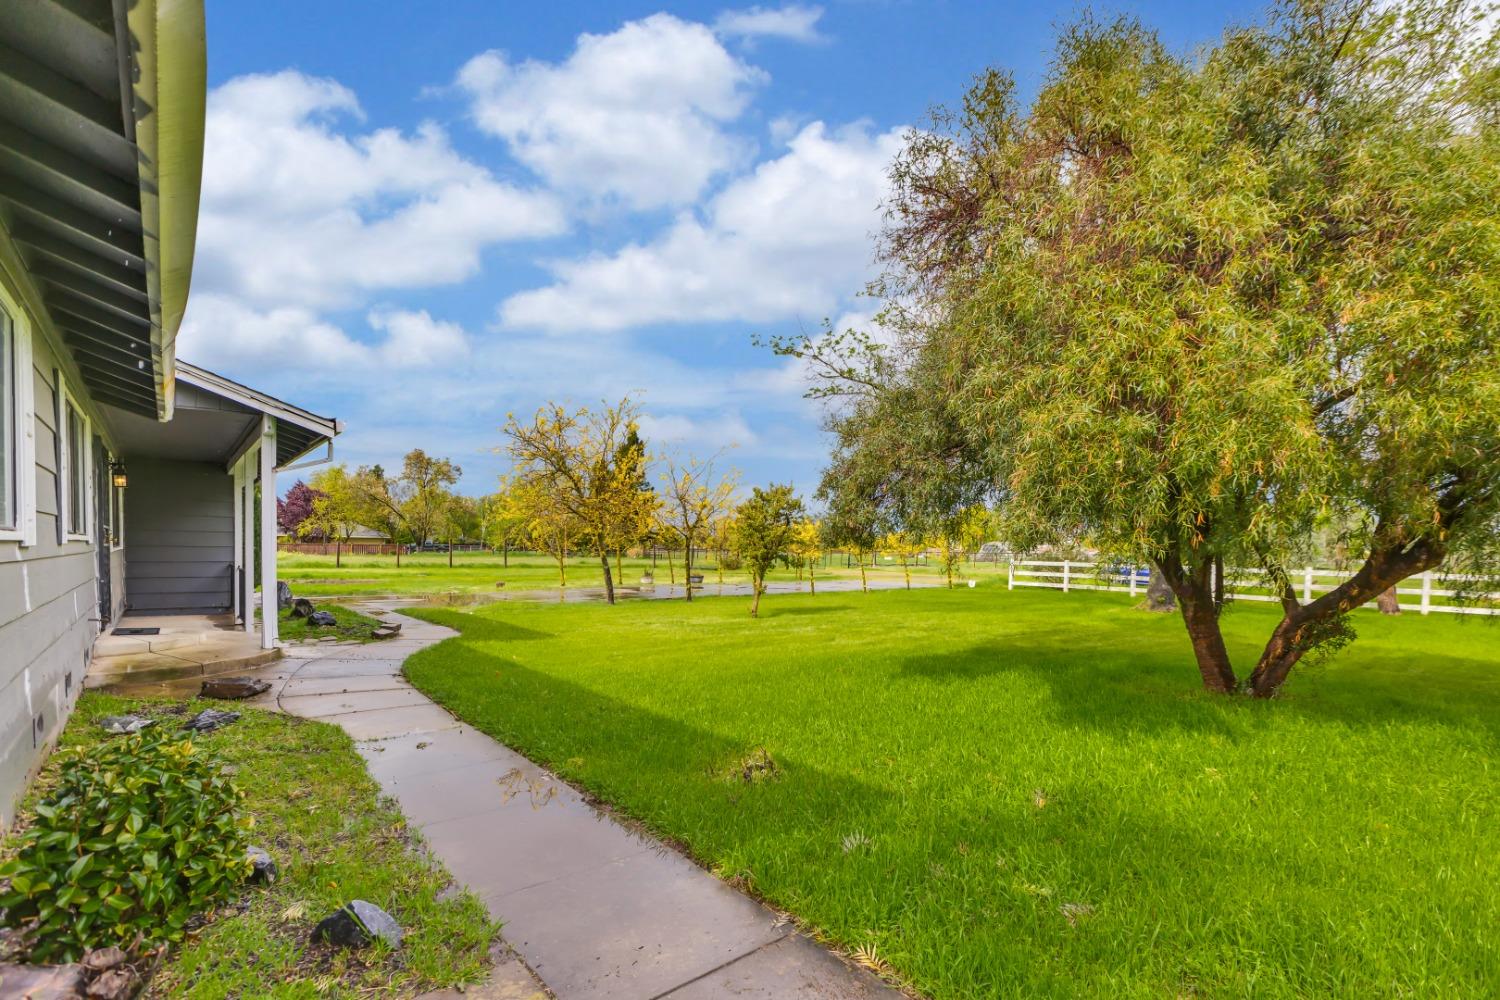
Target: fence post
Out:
[1307,577]
[1427,592]
[1010,575]
[1132,580]
[1066,566]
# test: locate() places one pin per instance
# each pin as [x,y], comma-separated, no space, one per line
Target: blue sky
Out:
[419,223]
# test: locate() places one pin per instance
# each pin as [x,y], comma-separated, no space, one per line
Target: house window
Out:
[10,443]
[75,431]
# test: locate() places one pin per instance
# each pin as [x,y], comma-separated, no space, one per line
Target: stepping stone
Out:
[233,688]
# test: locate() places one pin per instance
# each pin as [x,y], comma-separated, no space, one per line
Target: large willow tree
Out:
[1196,309]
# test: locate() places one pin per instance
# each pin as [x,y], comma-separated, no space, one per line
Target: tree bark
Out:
[1388,601]
[338,555]
[755,587]
[1194,590]
[687,568]
[450,553]
[609,583]
[1303,625]
[864,584]
[505,559]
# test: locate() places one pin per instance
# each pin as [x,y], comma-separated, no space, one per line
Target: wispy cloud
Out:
[794,22]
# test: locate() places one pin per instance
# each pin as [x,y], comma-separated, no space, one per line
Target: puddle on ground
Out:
[642,592]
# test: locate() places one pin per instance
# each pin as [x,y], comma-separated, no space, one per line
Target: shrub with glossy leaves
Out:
[141,833]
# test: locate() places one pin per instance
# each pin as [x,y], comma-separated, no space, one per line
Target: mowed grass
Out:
[1025,794]
[478,572]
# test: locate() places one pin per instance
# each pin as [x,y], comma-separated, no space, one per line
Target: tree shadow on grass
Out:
[480,628]
[784,612]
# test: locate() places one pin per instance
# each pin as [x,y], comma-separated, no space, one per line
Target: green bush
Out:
[142,832]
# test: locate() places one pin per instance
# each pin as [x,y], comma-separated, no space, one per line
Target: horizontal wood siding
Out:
[179,537]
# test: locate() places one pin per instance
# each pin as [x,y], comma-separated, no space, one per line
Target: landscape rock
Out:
[42,982]
[357,924]
[102,959]
[393,626]
[210,719]
[262,866]
[116,984]
[233,688]
[283,594]
[322,619]
[302,608]
[383,632]
[125,723]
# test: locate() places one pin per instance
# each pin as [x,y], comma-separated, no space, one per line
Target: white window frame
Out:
[23,420]
[66,472]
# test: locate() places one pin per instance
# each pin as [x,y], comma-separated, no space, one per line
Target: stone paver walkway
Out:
[596,909]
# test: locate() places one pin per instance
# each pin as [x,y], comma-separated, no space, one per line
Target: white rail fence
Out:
[1430,590]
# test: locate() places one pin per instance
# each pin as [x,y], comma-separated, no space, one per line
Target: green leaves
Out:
[142,832]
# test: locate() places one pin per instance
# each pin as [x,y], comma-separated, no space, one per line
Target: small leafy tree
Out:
[424,491]
[693,498]
[765,527]
[807,546]
[585,468]
[293,513]
[336,510]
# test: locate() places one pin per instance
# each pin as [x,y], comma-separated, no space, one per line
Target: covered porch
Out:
[198,523]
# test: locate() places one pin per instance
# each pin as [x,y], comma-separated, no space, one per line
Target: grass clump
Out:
[334,838]
[139,835]
[1000,793]
[349,625]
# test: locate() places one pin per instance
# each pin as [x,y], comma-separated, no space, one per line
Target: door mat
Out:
[136,631]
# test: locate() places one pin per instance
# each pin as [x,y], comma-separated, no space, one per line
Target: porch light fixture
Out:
[117,476]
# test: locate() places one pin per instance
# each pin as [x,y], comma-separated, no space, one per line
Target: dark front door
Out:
[103,530]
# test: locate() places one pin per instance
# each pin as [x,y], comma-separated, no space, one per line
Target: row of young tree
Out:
[1199,309]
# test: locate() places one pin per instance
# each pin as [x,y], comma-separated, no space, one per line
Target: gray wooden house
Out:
[129,480]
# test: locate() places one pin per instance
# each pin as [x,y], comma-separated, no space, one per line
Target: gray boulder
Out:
[322,618]
[301,608]
[210,719]
[283,594]
[42,982]
[357,924]
[125,723]
[233,688]
[262,866]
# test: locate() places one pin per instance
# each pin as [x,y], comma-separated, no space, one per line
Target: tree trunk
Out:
[755,586]
[1159,596]
[505,559]
[671,568]
[398,556]
[864,584]
[906,570]
[1388,601]
[687,568]
[609,583]
[620,565]
[338,555]
[1304,626]
[812,584]
[450,553]
[1194,590]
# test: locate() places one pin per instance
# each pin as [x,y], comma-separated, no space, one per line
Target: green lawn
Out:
[319,814]
[1025,794]
[478,572]
[351,625]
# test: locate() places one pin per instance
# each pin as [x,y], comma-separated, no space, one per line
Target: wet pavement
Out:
[595,908]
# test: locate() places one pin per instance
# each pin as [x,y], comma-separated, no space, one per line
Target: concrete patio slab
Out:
[596,908]
[186,648]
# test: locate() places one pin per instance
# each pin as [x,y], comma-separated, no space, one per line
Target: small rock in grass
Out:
[357,924]
[384,633]
[233,688]
[302,608]
[42,982]
[262,866]
[125,723]
[101,959]
[322,619]
[283,594]
[210,719]
[393,626]
[1076,913]
[116,984]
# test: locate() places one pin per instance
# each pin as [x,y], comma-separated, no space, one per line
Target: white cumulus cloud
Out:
[637,115]
[295,212]
[789,240]
[794,22]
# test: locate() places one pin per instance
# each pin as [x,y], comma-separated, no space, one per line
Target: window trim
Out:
[23,422]
[66,472]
